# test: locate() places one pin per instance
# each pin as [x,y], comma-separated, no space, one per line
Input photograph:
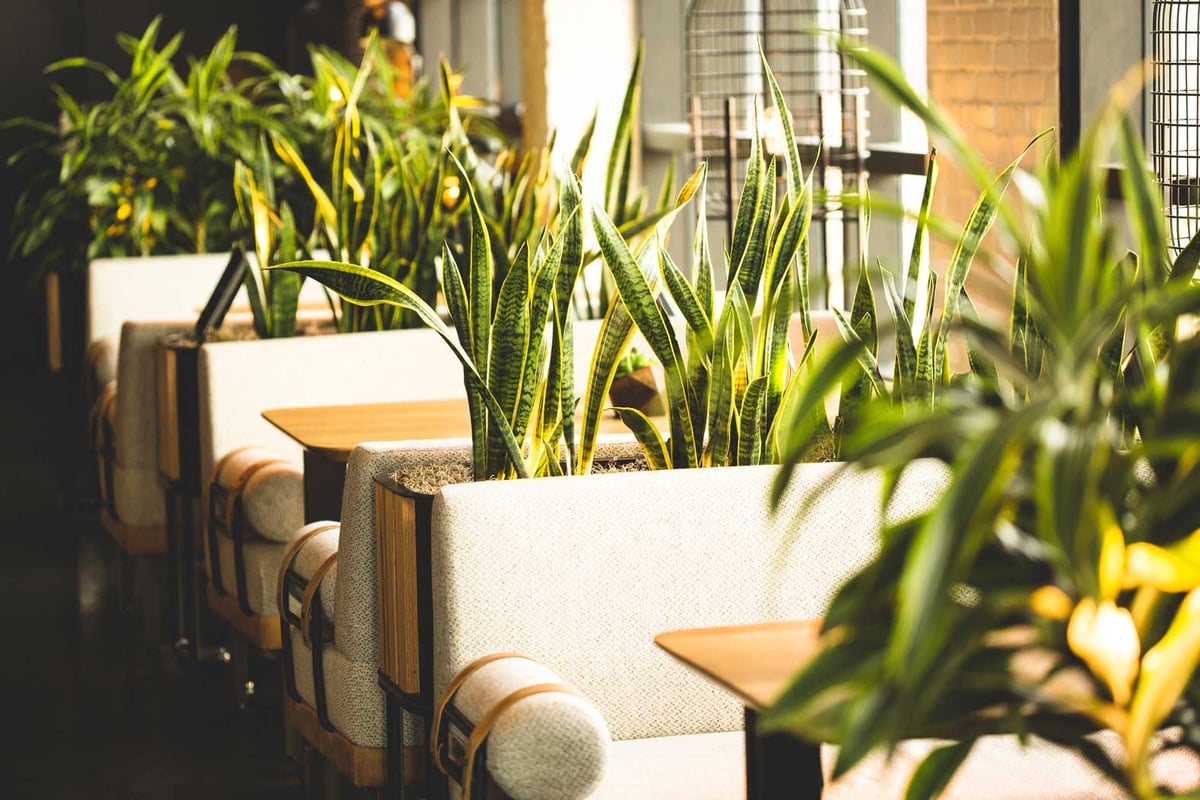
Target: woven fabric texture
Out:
[312,555]
[581,573]
[352,695]
[262,572]
[551,746]
[272,498]
[138,490]
[357,622]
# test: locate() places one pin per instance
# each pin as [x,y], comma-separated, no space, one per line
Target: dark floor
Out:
[92,704]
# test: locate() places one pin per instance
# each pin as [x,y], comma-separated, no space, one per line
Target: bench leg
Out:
[780,766]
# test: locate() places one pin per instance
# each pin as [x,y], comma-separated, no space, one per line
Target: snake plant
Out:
[1053,590]
[725,394]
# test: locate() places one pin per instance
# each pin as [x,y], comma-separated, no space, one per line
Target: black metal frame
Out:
[185,562]
[320,632]
[453,718]
[1070,71]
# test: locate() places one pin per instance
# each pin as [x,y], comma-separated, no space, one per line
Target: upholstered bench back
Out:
[581,573]
[161,287]
[240,380]
[137,492]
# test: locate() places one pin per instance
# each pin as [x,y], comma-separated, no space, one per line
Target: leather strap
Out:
[239,485]
[484,727]
[448,697]
[314,586]
[216,472]
[289,556]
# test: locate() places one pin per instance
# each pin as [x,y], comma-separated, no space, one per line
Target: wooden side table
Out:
[328,434]
[754,663]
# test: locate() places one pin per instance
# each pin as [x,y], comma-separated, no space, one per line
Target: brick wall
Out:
[993,65]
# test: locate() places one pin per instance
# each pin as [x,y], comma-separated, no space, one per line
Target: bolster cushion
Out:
[548,746]
[273,497]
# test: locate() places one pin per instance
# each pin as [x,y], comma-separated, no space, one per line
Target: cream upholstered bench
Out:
[120,290]
[579,574]
[344,614]
[240,380]
[132,505]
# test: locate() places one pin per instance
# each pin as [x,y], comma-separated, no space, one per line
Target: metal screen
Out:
[825,93]
[1175,113]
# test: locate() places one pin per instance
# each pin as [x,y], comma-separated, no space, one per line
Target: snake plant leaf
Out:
[750,268]
[904,373]
[777,323]
[326,213]
[510,333]
[616,334]
[809,406]
[667,191]
[571,236]
[1020,312]
[639,299]
[1148,217]
[460,315]
[916,260]
[1188,261]
[866,359]
[579,157]
[367,287]
[751,427]
[978,224]
[981,364]
[795,170]
[285,286]
[784,411]
[620,164]
[702,268]
[480,270]
[748,204]
[648,436]
[539,317]
[254,295]
[689,305]
[720,400]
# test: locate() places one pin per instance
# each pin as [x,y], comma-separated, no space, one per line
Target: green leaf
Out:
[935,772]
[912,284]
[648,437]
[620,162]
[367,287]
[640,301]
[751,429]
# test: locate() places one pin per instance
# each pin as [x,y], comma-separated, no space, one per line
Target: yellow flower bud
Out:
[124,212]
[1112,556]
[1150,565]
[450,191]
[1166,670]
[1104,636]
[1050,602]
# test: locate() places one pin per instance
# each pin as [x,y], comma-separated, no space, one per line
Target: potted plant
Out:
[1052,590]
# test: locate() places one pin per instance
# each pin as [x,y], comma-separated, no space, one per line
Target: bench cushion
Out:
[581,573]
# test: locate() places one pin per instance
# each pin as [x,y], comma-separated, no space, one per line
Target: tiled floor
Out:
[91,703]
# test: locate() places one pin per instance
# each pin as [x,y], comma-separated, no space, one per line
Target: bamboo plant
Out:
[1053,589]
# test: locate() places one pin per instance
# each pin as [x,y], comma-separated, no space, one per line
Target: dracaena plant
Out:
[1054,588]
[146,169]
